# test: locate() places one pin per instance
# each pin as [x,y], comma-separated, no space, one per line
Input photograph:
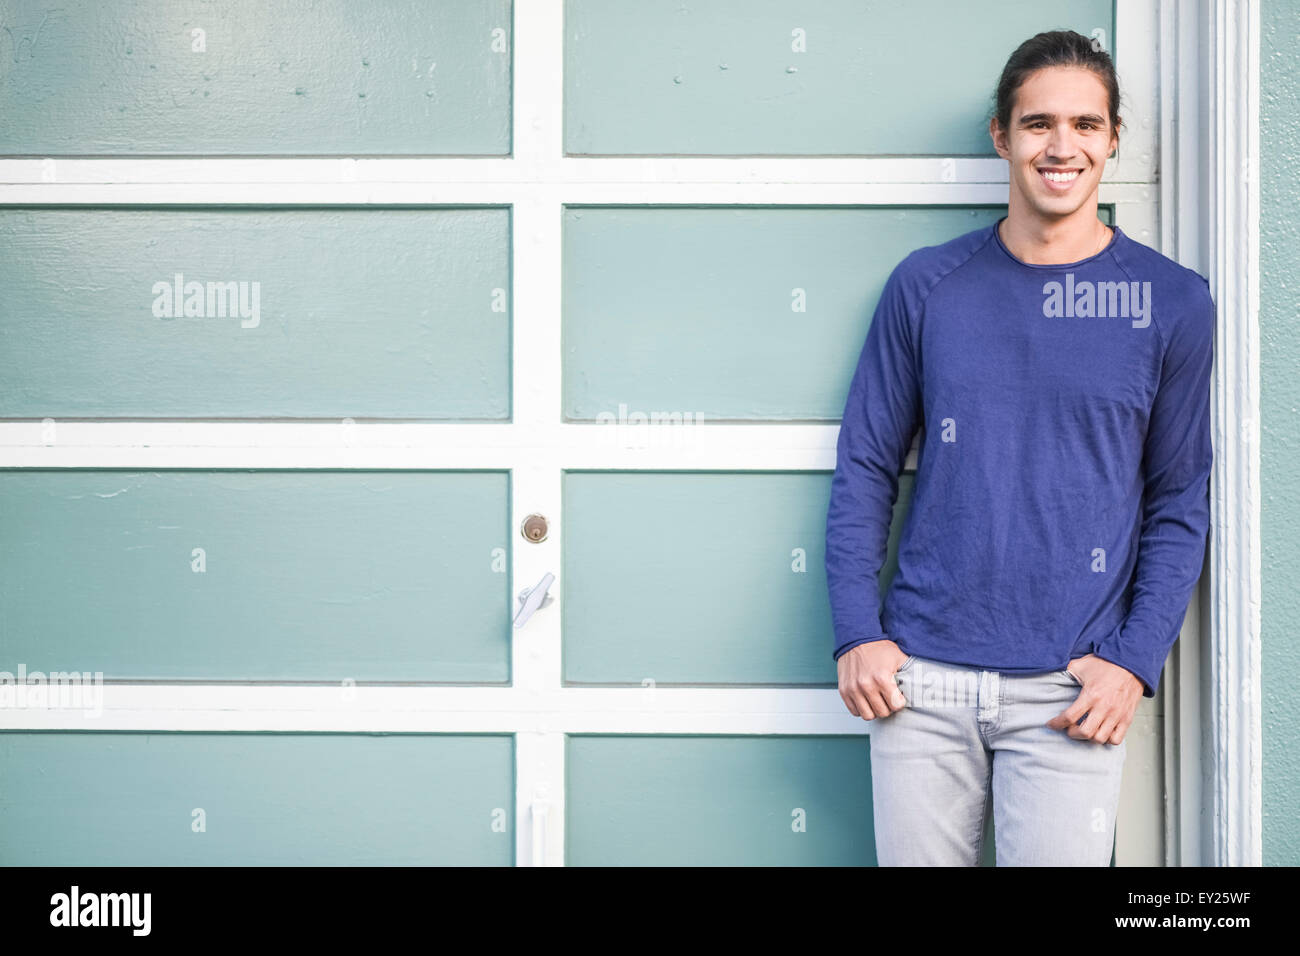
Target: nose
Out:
[1061,143]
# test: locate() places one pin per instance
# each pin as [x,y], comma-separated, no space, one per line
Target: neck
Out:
[1042,241]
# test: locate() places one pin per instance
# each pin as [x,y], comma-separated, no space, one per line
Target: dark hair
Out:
[1056,48]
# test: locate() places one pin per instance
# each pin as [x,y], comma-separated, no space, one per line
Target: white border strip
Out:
[470,447]
[518,447]
[1235,717]
[536,225]
[692,191]
[531,167]
[442,709]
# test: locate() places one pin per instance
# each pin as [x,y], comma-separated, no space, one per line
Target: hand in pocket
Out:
[867,684]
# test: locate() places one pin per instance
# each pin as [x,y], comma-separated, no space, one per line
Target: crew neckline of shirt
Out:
[997,237]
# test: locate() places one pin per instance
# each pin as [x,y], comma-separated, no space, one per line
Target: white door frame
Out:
[1208,219]
[1210,148]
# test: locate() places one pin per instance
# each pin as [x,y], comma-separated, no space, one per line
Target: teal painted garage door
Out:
[674,703]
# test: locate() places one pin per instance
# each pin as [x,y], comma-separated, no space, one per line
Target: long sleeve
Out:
[880,419]
[1177,458]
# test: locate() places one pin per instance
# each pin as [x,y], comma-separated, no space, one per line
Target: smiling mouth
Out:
[1059,179]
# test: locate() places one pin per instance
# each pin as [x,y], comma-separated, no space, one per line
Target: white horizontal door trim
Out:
[471,447]
[444,709]
[806,192]
[520,170]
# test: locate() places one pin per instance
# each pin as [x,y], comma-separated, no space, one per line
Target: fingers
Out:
[1067,718]
[1116,734]
[859,706]
[895,694]
[851,703]
[1083,721]
[1106,728]
[877,701]
[873,697]
[1085,730]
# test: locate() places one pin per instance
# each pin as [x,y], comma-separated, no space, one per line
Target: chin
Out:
[1059,206]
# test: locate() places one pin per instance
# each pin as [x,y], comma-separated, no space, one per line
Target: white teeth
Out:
[1062,177]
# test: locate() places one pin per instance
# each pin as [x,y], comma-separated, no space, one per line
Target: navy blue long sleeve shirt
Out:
[1060,504]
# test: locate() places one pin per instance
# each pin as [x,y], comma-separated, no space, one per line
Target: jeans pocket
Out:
[1070,675]
[911,659]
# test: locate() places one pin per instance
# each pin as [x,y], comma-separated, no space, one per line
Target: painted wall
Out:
[1279,319]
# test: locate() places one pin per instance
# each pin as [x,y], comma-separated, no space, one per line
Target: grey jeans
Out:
[967,736]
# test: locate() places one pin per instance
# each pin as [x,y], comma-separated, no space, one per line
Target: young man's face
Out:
[1060,130]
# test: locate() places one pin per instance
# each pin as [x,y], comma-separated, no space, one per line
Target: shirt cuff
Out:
[839,651]
[1149,682]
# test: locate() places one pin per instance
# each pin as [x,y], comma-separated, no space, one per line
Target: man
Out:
[1060,372]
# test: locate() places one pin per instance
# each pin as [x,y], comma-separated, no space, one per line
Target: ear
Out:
[999,137]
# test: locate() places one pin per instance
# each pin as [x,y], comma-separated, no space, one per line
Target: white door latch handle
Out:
[530,599]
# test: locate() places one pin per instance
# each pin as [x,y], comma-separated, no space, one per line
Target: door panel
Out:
[828,78]
[281,313]
[704,578]
[289,575]
[135,799]
[718,801]
[747,314]
[178,77]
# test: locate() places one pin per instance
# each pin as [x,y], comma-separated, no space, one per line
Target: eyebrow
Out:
[1038,117]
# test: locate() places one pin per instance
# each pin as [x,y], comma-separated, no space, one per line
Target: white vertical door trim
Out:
[539,798]
[536,261]
[1233,695]
[1209,200]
